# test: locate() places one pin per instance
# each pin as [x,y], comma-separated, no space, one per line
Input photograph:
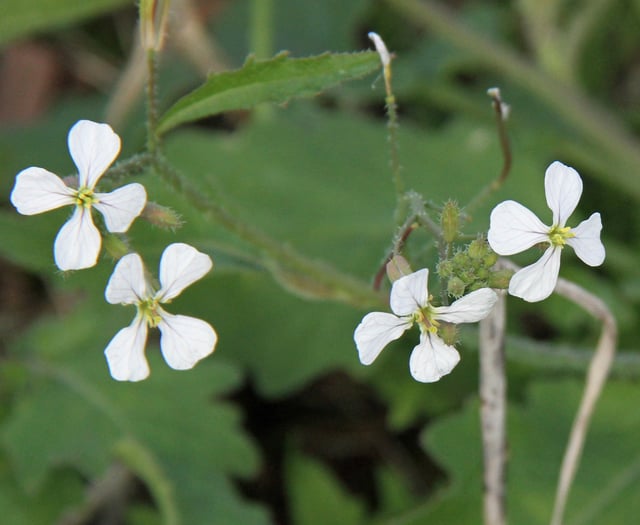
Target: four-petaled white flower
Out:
[184,340]
[93,147]
[432,358]
[514,229]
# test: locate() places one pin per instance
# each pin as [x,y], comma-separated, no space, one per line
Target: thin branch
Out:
[587,117]
[596,376]
[108,492]
[501,111]
[493,410]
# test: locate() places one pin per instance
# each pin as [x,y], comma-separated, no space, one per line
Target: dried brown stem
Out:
[493,410]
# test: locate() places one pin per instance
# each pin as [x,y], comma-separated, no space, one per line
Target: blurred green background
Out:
[282,424]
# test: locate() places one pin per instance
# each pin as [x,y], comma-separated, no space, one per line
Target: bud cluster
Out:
[470,269]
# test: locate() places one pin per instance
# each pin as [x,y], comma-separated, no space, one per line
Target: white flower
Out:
[183,340]
[93,147]
[514,229]
[432,358]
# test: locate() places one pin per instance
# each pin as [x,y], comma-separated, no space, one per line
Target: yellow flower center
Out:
[149,310]
[85,198]
[424,319]
[558,236]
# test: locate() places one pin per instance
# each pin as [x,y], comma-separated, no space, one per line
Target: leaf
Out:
[316,496]
[170,429]
[607,485]
[276,80]
[20,18]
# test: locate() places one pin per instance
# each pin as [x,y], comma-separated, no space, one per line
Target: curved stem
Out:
[592,121]
[310,278]
[596,376]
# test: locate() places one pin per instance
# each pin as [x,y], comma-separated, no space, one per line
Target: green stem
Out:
[261,28]
[591,120]
[152,101]
[293,270]
[392,126]
[505,148]
[261,43]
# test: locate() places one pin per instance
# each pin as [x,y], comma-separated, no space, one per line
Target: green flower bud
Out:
[500,279]
[450,221]
[490,259]
[114,245]
[448,333]
[460,260]
[455,287]
[161,216]
[445,268]
[478,249]
[478,284]
[482,273]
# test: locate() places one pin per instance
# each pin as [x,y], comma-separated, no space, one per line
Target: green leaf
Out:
[275,80]
[169,430]
[317,498]
[607,485]
[20,18]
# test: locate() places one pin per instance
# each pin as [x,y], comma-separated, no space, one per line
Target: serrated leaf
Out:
[275,80]
[19,18]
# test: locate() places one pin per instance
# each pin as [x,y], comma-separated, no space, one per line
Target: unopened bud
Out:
[478,249]
[455,287]
[490,259]
[500,279]
[115,246]
[161,216]
[398,267]
[450,221]
[449,333]
[381,48]
[445,268]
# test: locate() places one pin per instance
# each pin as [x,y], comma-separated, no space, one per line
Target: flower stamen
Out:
[558,236]
[148,310]
[85,198]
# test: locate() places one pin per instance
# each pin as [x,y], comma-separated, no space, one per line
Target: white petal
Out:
[587,242]
[180,266]
[514,229]
[77,245]
[410,293]
[93,147]
[125,353]
[468,309]
[563,188]
[375,331]
[432,359]
[185,340]
[537,281]
[120,207]
[38,190]
[127,284]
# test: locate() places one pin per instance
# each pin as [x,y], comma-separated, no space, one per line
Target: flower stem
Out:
[493,410]
[152,101]
[600,129]
[505,148]
[306,277]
